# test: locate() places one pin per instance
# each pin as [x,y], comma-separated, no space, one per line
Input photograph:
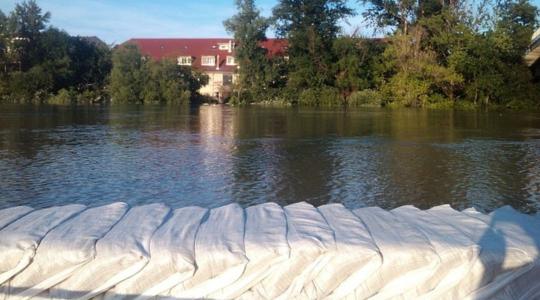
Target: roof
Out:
[196,48]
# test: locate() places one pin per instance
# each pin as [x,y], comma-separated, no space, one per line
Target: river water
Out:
[213,155]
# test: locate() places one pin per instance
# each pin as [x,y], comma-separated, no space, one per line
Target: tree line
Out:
[437,53]
[431,53]
[41,63]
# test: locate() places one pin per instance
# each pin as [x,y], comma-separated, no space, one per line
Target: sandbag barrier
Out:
[267,252]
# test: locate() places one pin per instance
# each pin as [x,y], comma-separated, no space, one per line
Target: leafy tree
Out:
[249,30]
[25,25]
[138,79]
[126,75]
[356,64]
[311,26]
[416,77]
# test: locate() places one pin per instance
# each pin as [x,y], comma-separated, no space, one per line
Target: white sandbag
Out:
[408,257]
[172,259]
[219,253]
[11,214]
[456,251]
[521,231]
[309,236]
[20,239]
[524,287]
[265,243]
[497,253]
[75,239]
[355,258]
[120,254]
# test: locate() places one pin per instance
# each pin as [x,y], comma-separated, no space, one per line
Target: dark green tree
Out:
[25,25]
[138,79]
[311,26]
[249,30]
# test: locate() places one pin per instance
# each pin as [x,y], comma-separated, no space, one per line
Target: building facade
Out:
[214,56]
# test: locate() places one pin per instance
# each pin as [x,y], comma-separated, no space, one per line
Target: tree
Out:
[249,30]
[311,26]
[416,76]
[25,24]
[356,64]
[126,75]
[138,79]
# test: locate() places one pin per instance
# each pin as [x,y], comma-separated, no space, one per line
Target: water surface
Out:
[213,155]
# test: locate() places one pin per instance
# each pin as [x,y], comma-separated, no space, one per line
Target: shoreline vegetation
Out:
[434,54]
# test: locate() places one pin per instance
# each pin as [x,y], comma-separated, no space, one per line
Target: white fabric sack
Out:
[172,259]
[20,239]
[64,249]
[525,287]
[219,253]
[521,231]
[11,214]
[456,251]
[355,258]
[408,257]
[266,244]
[309,236]
[119,255]
[497,253]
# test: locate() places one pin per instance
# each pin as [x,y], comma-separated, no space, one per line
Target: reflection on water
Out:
[212,155]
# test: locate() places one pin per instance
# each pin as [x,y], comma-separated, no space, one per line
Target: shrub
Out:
[365,98]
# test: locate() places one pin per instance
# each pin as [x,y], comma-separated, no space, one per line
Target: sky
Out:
[116,21]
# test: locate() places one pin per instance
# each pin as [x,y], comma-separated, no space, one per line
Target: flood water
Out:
[213,155]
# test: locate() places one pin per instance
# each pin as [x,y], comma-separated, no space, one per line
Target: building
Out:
[532,57]
[213,56]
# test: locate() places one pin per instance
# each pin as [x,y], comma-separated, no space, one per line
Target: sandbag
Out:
[172,259]
[75,239]
[120,254]
[265,243]
[219,253]
[523,232]
[11,214]
[497,253]
[308,236]
[456,251]
[409,259]
[20,239]
[355,258]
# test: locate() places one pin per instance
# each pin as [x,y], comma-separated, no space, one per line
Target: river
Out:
[213,155]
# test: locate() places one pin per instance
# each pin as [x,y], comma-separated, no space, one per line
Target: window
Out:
[208,61]
[184,60]
[223,46]
[227,79]
[231,61]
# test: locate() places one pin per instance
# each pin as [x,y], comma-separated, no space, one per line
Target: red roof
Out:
[196,48]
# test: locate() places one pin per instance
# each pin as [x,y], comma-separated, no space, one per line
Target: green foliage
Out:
[37,61]
[366,97]
[137,79]
[324,96]
[249,30]
[311,26]
[357,60]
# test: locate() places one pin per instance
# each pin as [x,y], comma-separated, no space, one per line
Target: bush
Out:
[62,97]
[365,98]
[325,96]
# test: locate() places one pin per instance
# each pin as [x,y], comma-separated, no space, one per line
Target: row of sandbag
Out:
[267,252]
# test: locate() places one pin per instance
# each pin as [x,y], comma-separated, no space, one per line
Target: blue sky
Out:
[115,21]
